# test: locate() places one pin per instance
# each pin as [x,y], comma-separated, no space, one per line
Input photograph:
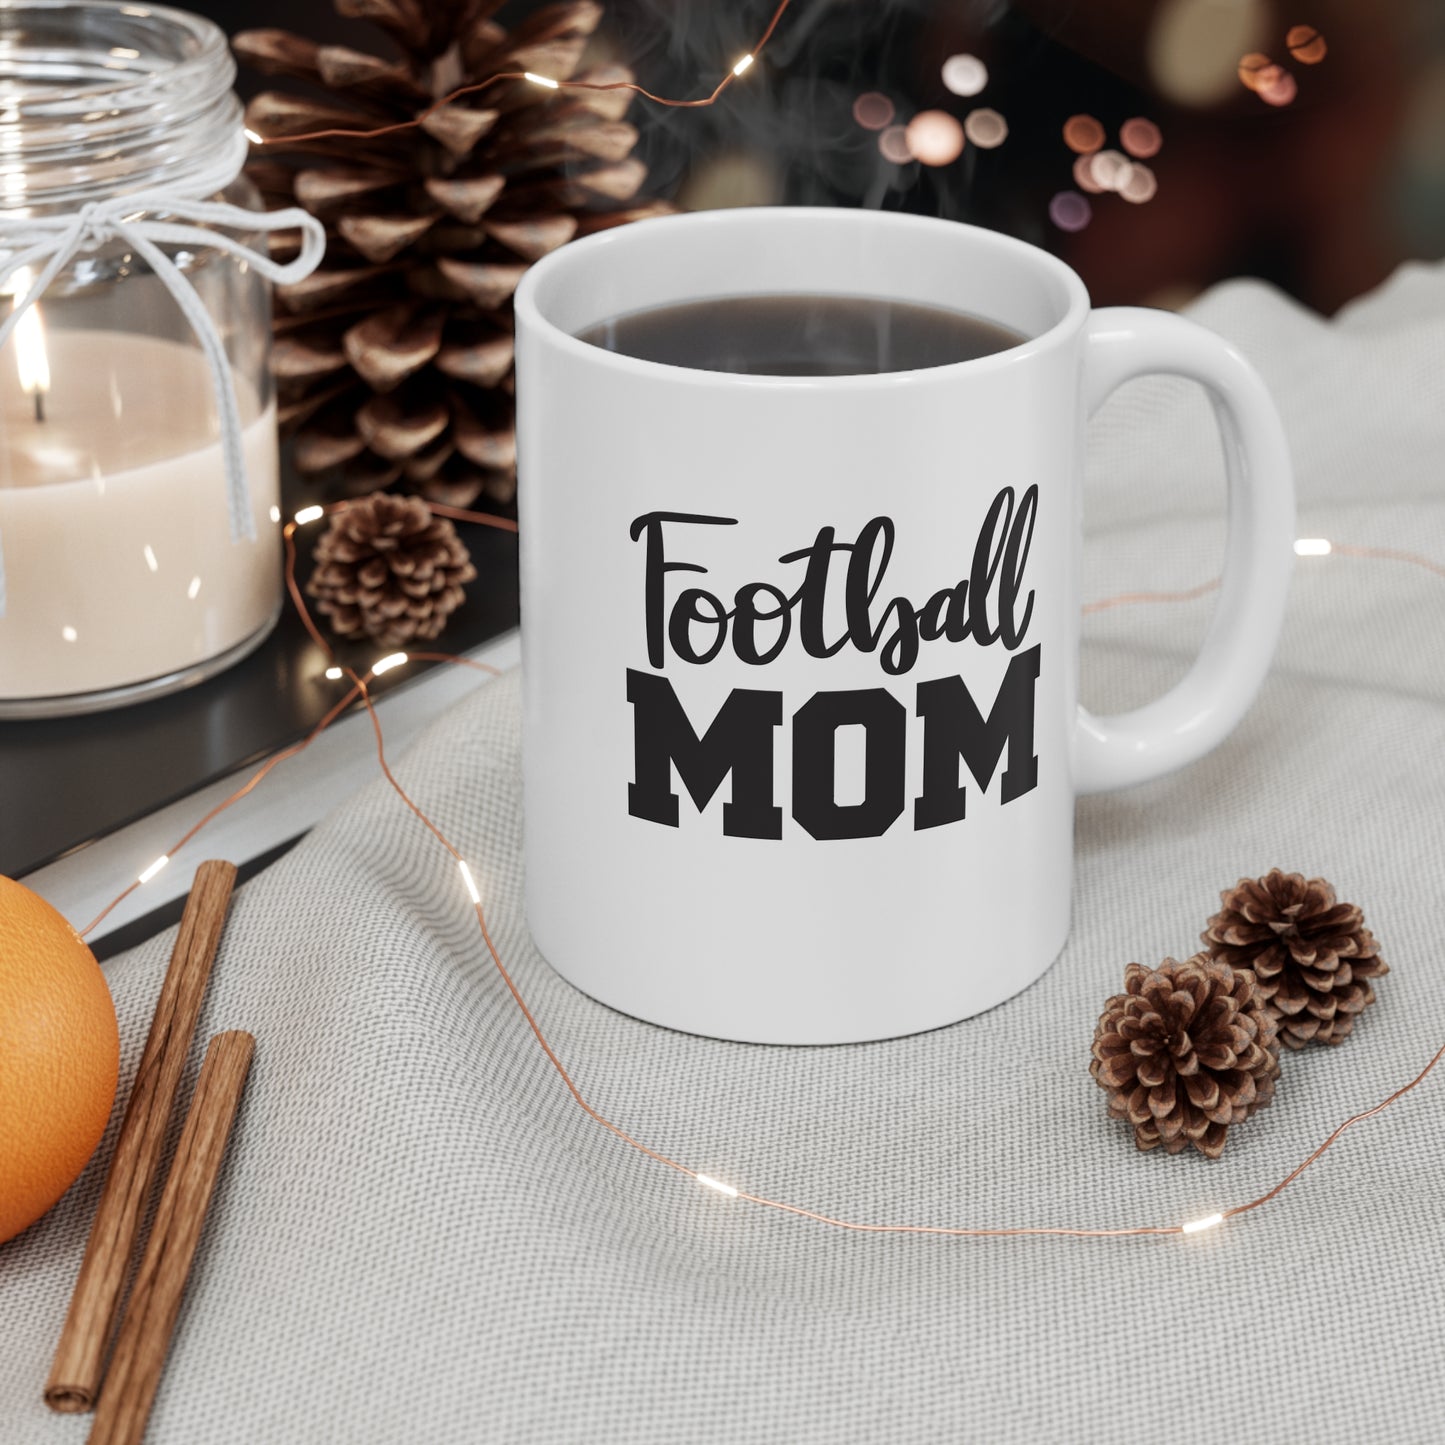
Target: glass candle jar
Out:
[128,568]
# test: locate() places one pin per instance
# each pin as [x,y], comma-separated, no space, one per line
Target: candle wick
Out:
[39,404]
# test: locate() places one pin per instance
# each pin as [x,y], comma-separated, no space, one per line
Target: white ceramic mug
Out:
[800,654]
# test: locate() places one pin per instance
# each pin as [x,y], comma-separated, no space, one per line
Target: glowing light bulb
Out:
[934,137]
[985,128]
[872,110]
[154,868]
[542,80]
[275,513]
[893,143]
[332,674]
[1070,211]
[708,1182]
[256,140]
[1141,138]
[742,64]
[1083,134]
[385,664]
[309,514]
[964,74]
[1195,1226]
[1306,44]
[469,880]
[1313,547]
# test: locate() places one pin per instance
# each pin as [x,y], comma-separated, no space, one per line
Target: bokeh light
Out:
[934,137]
[1194,46]
[872,110]
[1278,88]
[1140,185]
[1084,175]
[965,74]
[1141,138]
[893,142]
[1252,66]
[1306,44]
[1070,211]
[1110,170]
[985,128]
[1083,134]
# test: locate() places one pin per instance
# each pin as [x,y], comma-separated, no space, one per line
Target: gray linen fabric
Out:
[418,1237]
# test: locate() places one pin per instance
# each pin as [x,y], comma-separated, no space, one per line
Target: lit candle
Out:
[113,515]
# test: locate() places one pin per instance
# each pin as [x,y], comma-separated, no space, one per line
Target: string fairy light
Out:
[547,82]
[473,891]
[708,1182]
[359,691]
[146,874]
[1198,1226]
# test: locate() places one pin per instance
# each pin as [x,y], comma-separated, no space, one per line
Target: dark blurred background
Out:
[1302,141]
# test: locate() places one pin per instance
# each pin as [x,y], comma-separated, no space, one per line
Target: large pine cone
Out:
[1313,956]
[1185,1051]
[388,570]
[394,359]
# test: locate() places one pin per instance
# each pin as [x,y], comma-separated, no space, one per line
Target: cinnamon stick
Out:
[79,1362]
[155,1298]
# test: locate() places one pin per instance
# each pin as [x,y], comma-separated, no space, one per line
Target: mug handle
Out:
[1203,708]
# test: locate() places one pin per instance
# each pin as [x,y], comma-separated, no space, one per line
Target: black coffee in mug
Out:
[801,335]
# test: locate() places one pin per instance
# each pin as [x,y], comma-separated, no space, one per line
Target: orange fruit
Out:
[59,1056]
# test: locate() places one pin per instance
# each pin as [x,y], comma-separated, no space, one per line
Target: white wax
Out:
[113,518]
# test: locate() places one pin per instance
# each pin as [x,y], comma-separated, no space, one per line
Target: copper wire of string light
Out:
[359,689]
[1130,599]
[546,82]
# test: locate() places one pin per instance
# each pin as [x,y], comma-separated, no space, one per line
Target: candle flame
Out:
[31,359]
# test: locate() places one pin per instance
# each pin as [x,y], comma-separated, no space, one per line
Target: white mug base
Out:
[755,1022]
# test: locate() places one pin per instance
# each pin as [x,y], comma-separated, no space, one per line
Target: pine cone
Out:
[394,360]
[1313,957]
[388,570]
[1185,1051]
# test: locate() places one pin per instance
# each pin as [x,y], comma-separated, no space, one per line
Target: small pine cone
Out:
[387,569]
[1185,1051]
[1312,956]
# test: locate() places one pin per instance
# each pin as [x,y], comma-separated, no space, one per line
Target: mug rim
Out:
[591,249]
